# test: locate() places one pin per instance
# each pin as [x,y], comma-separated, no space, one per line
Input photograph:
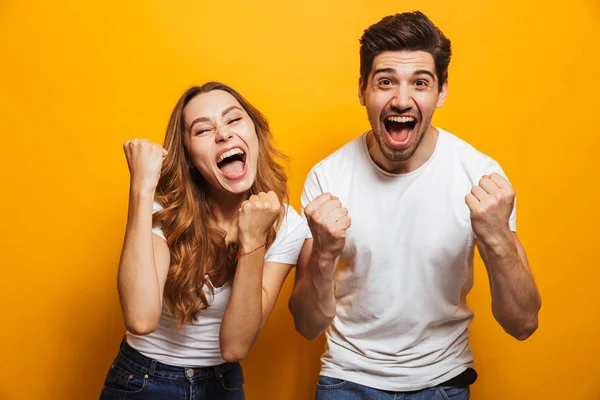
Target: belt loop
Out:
[152,368]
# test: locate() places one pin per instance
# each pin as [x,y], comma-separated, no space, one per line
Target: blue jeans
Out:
[339,389]
[135,376]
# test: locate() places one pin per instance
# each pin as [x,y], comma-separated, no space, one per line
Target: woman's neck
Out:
[226,207]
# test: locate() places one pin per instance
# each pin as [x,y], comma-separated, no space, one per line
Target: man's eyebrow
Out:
[384,71]
[425,72]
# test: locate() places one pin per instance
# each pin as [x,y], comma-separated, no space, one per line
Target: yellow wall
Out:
[78,80]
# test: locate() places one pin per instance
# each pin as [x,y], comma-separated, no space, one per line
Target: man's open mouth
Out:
[399,128]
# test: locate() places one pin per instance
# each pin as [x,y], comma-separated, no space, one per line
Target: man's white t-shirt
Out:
[197,344]
[401,319]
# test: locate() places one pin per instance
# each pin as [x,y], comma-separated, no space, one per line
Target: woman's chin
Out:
[237,187]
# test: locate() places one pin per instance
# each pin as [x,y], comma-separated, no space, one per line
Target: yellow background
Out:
[79,78]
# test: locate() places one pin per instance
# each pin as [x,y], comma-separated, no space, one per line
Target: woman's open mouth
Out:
[232,163]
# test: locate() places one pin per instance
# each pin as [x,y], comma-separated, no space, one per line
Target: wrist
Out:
[252,244]
[498,242]
[142,191]
[253,250]
[322,255]
[324,264]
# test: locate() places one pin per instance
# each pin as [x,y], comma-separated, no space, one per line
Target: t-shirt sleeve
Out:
[156,228]
[313,187]
[290,238]
[492,167]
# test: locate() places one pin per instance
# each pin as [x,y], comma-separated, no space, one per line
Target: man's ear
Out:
[361,96]
[442,95]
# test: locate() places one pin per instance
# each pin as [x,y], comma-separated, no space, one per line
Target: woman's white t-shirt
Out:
[197,344]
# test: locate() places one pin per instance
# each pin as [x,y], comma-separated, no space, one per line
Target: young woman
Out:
[208,246]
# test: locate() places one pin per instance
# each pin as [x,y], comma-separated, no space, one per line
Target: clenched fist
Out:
[328,221]
[256,216]
[491,203]
[145,160]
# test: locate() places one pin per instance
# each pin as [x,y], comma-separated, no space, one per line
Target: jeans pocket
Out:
[329,383]
[120,380]
[233,378]
[454,392]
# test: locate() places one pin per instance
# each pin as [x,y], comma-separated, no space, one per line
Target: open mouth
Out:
[232,163]
[399,129]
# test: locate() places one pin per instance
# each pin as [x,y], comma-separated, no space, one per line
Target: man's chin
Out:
[397,155]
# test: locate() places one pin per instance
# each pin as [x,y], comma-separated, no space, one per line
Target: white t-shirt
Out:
[197,344]
[401,318]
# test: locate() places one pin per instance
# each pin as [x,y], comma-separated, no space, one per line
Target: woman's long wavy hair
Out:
[200,257]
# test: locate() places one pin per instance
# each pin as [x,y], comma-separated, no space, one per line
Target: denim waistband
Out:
[153,368]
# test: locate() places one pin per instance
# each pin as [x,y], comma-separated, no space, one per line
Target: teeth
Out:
[230,153]
[401,119]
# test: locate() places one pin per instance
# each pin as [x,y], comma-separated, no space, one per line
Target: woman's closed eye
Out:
[202,131]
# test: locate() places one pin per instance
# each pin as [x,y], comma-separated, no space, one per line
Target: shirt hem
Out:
[365,380]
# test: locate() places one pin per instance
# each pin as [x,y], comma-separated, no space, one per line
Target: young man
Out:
[418,200]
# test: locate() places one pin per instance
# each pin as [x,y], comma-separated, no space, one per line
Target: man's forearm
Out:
[313,300]
[515,298]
